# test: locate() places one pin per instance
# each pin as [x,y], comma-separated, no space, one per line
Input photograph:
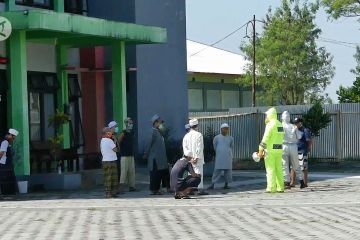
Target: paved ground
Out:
[329,209]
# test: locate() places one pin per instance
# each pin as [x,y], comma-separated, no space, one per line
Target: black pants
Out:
[189,181]
[158,176]
[8,183]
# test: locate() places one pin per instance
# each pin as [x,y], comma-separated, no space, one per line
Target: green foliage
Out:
[350,94]
[57,120]
[209,151]
[292,67]
[316,119]
[342,8]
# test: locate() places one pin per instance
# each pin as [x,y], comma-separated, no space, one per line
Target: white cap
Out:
[112,124]
[155,117]
[255,157]
[188,153]
[13,132]
[224,125]
[193,122]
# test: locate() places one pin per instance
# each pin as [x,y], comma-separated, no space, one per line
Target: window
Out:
[47,4]
[76,6]
[196,99]
[230,99]
[213,99]
[77,133]
[42,102]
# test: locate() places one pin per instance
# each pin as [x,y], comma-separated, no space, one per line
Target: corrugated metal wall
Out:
[341,140]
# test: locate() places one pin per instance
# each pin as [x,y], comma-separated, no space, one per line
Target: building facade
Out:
[95,60]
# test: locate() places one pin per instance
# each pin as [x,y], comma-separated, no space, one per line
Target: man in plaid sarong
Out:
[109,158]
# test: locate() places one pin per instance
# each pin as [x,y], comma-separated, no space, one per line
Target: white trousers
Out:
[199,169]
[290,157]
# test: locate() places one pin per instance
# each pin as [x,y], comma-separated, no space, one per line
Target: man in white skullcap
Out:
[7,174]
[194,142]
[223,145]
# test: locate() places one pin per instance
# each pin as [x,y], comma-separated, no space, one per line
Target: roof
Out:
[202,58]
[68,29]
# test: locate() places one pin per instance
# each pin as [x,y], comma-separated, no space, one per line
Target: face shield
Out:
[285,117]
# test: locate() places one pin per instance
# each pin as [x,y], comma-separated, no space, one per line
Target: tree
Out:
[291,68]
[351,94]
[342,8]
[316,119]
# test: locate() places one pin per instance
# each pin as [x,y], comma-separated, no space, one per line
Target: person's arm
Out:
[3,148]
[215,143]
[121,137]
[149,144]
[308,139]
[192,172]
[265,140]
[199,148]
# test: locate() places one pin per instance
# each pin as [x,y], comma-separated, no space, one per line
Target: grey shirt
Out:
[223,148]
[155,150]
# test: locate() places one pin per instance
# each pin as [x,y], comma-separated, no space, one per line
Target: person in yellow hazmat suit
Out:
[271,149]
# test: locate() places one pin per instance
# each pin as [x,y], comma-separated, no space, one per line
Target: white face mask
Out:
[161,126]
[129,126]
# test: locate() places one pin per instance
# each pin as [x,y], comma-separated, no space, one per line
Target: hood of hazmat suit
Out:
[274,133]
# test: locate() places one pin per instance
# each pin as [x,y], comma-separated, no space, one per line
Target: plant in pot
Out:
[56,142]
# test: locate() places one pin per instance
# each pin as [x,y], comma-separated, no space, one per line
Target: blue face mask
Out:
[117,130]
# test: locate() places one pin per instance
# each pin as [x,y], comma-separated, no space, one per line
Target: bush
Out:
[316,119]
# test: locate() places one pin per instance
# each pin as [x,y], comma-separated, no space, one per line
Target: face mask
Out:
[161,126]
[117,130]
[129,126]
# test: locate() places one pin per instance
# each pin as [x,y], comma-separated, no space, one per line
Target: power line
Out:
[220,40]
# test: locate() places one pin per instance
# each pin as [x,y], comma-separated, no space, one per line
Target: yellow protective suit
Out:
[271,144]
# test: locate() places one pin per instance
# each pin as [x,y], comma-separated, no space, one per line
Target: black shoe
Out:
[287,185]
[302,184]
[132,189]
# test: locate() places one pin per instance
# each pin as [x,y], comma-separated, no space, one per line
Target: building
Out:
[213,78]
[96,60]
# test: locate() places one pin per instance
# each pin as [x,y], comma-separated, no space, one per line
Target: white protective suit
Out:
[194,142]
[290,148]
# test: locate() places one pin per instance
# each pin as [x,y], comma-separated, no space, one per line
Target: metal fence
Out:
[339,141]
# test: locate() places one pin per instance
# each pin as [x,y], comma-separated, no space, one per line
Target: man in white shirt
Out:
[194,142]
[7,174]
[109,159]
[290,151]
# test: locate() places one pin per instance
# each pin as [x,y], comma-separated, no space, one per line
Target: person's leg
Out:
[124,173]
[279,175]
[107,179]
[114,178]
[305,171]
[131,172]
[285,165]
[270,173]
[215,178]
[228,177]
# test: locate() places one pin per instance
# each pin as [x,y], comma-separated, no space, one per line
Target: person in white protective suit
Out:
[290,151]
[194,142]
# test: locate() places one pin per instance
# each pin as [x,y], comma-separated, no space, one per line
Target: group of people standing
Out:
[285,148]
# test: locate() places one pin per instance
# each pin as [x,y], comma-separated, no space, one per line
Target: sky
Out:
[210,20]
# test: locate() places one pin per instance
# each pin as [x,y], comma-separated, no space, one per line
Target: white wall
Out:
[41,57]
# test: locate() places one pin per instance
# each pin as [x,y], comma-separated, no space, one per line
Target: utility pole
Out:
[254,62]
